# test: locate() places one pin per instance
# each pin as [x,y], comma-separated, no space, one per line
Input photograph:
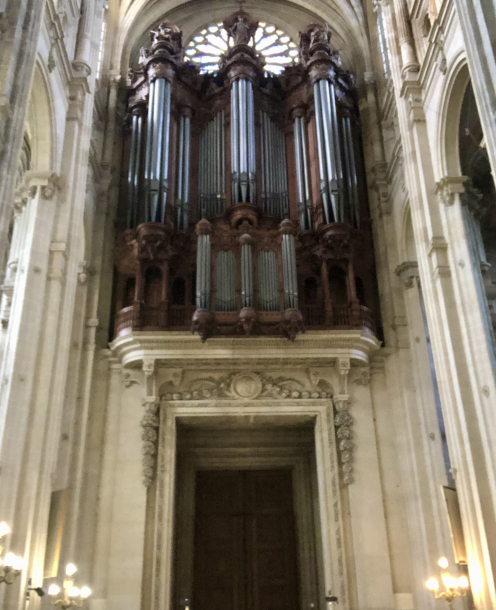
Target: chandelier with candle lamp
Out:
[72,596]
[453,587]
[10,565]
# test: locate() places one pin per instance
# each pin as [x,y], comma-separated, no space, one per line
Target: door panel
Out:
[245,546]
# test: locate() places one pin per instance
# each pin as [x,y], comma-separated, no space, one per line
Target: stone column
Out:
[24,430]
[405,36]
[20,24]
[420,445]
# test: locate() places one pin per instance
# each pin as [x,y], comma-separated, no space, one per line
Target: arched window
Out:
[210,43]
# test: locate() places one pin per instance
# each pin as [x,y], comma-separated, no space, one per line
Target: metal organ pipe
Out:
[274,171]
[352,172]
[135,167]
[330,165]
[182,203]
[289,272]
[226,282]
[203,272]
[211,169]
[302,176]
[246,276]
[243,161]
[157,150]
[268,281]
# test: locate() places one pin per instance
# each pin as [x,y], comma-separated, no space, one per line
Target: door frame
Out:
[225,459]
[158,568]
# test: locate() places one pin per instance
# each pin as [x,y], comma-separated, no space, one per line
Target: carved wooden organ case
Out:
[246,205]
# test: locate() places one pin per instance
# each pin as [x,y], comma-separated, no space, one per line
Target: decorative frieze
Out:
[149,436]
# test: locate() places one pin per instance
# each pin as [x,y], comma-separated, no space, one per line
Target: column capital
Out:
[408,272]
[47,182]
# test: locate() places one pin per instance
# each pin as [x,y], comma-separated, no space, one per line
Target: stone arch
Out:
[457,80]
[349,31]
[40,122]
[408,251]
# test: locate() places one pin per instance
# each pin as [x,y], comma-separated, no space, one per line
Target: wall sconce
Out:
[454,587]
[11,565]
[73,596]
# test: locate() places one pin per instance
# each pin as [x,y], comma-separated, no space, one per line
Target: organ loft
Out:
[245,204]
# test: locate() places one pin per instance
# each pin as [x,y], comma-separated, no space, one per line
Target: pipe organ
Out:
[245,209]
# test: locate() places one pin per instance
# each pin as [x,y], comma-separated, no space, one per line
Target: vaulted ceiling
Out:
[345,17]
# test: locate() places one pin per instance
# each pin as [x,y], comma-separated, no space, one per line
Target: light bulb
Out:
[4,529]
[463,582]
[443,563]
[53,590]
[432,584]
[70,569]
[8,562]
[73,592]
[450,582]
[85,592]
[18,563]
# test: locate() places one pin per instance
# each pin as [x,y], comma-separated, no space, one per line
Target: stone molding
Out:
[313,349]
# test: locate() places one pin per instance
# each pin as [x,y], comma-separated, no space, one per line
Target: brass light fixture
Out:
[10,565]
[453,587]
[72,596]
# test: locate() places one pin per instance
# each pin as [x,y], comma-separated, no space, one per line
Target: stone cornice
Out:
[314,348]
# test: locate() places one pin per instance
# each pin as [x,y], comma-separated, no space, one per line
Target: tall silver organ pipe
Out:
[274,168]
[268,281]
[302,176]
[243,142]
[246,275]
[289,272]
[135,163]
[182,203]
[157,150]
[225,271]
[212,183]
[330,167]
[351,171]
[203,272]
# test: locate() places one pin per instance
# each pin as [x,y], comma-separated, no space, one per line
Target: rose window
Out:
[207,46]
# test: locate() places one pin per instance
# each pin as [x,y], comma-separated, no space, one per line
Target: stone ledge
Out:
[314,348]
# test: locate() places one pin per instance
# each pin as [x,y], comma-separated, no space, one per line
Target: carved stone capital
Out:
[408,273]
[448,187]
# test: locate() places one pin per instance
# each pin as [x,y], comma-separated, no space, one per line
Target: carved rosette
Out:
[149,436]
[343,421]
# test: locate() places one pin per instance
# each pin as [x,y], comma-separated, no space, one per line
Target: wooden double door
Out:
[245,543]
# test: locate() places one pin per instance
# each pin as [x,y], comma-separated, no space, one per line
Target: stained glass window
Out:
[206,47]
